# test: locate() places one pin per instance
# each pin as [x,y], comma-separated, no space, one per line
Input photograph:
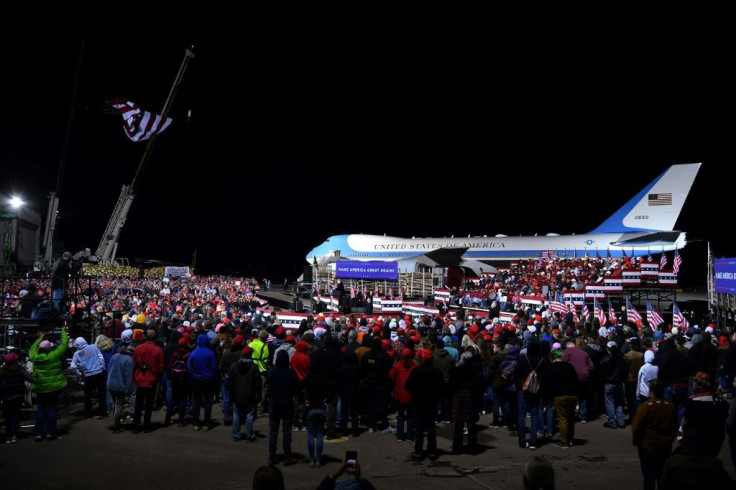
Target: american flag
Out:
[375,290]
[649,257]
[663,261]
[678,319]
[586,312]
[549,254]
[352,292]
[574,312]
[558,304]
[653,317]
[390,293]
[608,254]
[598,311]
[631,314]
[597,254]
[612,313]
[139,125]
[401,294]
[661,199]
[677,262]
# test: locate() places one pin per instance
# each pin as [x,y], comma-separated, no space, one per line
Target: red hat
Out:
[407,353]
[184,341]
[399,331]
[280,331]
[703,378]
[238,340]
[138,334]
[511,328]
[290,338]
[722,340]
[376,329]
[247,351]
[427,355]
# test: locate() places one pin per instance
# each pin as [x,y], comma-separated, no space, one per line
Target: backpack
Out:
[179,369]
[531,383]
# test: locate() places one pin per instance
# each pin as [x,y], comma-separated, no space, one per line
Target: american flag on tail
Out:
[631,314]
[677,262]
[678,319]
[612,313]
[598,311]
[139,125]
[653,316]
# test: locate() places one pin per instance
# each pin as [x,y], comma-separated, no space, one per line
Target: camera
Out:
[351,459]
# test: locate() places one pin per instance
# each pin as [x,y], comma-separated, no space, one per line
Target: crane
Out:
[107,249]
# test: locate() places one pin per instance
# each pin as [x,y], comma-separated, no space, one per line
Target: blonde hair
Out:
[103,342]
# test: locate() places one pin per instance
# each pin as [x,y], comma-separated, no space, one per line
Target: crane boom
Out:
[107,249]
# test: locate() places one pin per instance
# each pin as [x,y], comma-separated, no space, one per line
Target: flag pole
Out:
[188,55]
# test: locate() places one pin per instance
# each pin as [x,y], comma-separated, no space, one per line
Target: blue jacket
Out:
[120,372]
[202,363]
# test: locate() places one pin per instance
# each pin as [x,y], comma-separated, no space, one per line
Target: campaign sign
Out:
[725,275]
[348,269]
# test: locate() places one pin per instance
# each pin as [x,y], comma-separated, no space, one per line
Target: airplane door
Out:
[454,277]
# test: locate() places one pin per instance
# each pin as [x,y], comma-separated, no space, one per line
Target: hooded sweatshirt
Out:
[202,362]
[300,360]
[282,382]
[244,382]
[88,358]
[647,372]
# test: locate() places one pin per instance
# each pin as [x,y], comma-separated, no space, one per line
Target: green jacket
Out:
[48,375]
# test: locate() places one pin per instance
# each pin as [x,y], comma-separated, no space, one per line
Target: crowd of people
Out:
[189,344]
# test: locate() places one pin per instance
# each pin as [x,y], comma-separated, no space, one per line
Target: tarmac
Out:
[89,455]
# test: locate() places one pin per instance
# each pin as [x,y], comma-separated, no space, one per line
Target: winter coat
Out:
[399,373]
[282,382]
[48,374]
[120,372]
[244,382]
[151,355]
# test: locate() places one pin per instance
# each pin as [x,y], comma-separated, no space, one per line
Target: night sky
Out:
[320,121]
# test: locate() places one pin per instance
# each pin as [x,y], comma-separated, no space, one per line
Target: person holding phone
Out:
[351,467]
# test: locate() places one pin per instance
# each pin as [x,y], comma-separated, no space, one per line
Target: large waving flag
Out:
[631,314]
[653,316]
[678,319]
[139,125]
[663,261]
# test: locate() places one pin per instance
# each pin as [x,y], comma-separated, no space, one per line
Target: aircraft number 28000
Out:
[641,216]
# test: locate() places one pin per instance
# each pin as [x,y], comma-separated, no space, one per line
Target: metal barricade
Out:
[71,400]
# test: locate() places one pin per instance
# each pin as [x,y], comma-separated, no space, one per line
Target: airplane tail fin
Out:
[657,206]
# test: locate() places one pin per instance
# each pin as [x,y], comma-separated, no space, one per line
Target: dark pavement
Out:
[88,455]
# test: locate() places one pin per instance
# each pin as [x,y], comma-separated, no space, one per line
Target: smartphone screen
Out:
[351,457]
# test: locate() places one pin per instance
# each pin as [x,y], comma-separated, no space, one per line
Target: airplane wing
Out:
[447,257]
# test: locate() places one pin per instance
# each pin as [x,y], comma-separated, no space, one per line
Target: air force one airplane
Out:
[644,224]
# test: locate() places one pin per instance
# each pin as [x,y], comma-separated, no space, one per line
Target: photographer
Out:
[60,280]
[356,482]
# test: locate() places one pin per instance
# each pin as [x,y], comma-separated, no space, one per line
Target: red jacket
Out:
[400,373]
[151,355]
